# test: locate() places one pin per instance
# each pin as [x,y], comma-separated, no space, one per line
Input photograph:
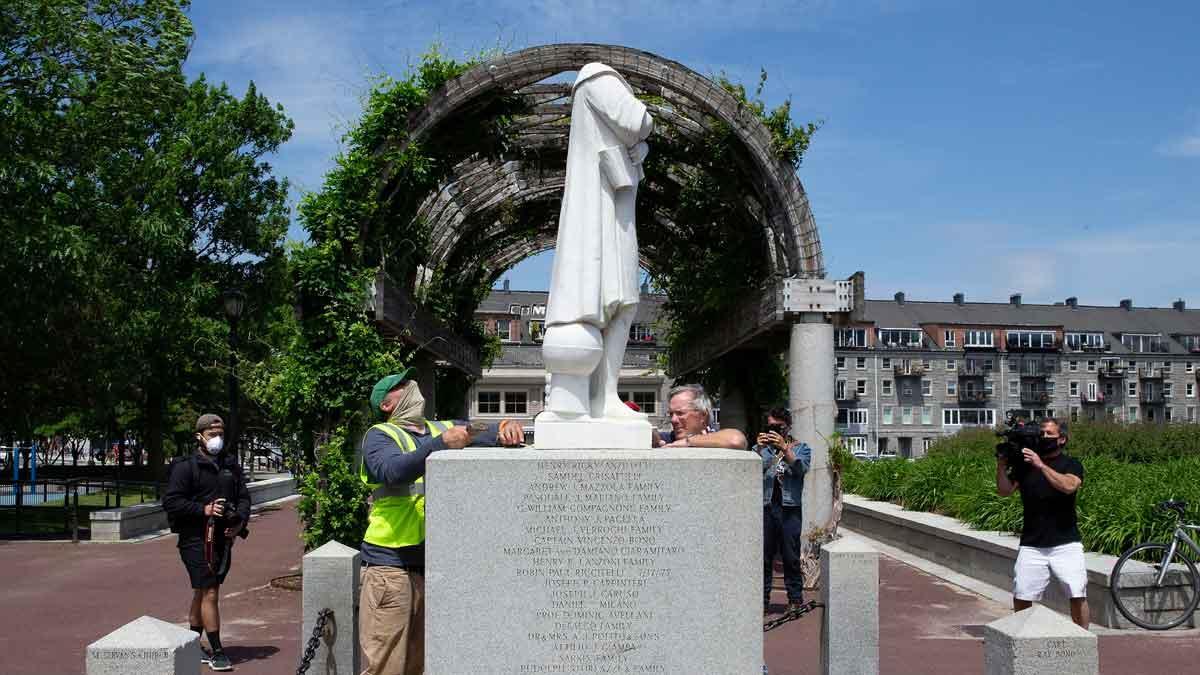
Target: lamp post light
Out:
[235,302]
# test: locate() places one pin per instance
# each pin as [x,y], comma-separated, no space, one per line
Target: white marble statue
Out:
[594,283]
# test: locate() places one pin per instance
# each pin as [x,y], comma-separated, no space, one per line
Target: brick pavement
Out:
[58,597]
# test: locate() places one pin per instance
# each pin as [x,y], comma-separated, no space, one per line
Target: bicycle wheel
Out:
[1142,600]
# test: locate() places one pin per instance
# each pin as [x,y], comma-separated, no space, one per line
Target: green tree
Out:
[132,198]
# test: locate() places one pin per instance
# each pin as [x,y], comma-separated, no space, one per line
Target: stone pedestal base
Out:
[551,431]
[591,561]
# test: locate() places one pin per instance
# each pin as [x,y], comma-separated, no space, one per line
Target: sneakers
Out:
[794,607]
[218,661]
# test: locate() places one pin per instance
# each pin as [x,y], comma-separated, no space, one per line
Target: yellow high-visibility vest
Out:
[397,515]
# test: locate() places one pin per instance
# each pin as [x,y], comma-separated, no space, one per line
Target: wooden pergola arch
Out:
[511,202]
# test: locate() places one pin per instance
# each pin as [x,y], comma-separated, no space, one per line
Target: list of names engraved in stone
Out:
[595,542]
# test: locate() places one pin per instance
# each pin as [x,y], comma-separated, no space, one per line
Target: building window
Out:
[1073,366]
[861,387]
[850,337]
[504,329]
[1074,413]
[1191,413]
[887,414]
[1189,367]
[1190,389]
[1166,366]
[900,337]
[855,443]
[927,443]
[516,403]
[860,363]
[1014,388]
[953,417]
[1091,391]
[647,401]
[1030,339]
[1091,366]
[489,402]
[536,330]
[1085,341]
[841,363]
[1132,414]
[1132,391]
[1074,388]
[951,388]
[1168,389]
[839,390]
[887,363]
[949,339]
[905,415]
[926,415]
[951,364]
[886,386]
[1144,343]
[641,332]
[857,416]
[1167,414]
[979,338]
[926,388]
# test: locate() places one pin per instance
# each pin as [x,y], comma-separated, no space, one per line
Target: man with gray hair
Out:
[691,412]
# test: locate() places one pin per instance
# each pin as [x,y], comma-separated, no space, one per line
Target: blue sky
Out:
[1046,148]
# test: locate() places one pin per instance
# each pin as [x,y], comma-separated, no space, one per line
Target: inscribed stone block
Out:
[850,621]
[590,560]
[147,646]
[1038,640]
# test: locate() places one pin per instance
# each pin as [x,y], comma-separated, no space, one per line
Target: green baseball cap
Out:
[383,386]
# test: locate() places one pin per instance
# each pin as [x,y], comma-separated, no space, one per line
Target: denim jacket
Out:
[792,477]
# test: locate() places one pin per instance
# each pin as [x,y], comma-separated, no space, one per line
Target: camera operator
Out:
[208,505]
[785,462]
[1048,480]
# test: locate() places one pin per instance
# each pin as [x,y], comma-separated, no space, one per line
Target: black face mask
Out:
[1047,446]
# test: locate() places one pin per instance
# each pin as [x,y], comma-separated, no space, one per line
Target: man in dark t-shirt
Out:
[1050,544]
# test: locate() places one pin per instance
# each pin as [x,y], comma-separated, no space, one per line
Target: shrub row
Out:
[1116,503]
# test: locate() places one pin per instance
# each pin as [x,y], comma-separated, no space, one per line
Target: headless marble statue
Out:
[594,282]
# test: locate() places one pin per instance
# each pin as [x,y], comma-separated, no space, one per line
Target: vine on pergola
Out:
[700,226]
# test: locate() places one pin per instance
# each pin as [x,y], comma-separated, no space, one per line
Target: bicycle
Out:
[1155,585]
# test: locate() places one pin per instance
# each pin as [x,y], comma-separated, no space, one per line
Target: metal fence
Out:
[61,508]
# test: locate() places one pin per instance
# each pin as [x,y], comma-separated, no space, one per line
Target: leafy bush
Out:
[333,503]
[1125,475]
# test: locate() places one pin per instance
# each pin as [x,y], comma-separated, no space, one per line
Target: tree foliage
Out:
[132,198]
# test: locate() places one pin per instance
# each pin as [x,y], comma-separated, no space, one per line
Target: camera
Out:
[1017,434]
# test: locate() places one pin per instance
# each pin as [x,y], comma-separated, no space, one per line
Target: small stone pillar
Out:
[1036,641]
[331,581]
[850,621]
[147,646]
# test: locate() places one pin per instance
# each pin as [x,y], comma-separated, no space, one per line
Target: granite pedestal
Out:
[594,561]
[147,646]
[1036,641]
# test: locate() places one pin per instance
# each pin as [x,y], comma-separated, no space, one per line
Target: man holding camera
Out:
[785,461]
[392,597]
[208,504]
[1048,480]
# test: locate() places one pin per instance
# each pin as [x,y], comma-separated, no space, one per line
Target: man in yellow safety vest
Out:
[392,601]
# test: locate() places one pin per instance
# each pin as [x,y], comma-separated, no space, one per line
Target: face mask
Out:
[1047,446]
[214,444]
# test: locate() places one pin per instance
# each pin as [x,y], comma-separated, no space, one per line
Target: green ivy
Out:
[333,502]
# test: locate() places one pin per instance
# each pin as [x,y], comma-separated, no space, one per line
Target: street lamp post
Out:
[235,301]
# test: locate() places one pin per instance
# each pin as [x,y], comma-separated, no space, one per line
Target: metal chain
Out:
[310,650]
[792,615]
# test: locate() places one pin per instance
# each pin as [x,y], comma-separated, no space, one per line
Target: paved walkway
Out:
[56,598]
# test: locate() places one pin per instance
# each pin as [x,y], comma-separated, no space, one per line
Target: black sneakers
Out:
[218,661]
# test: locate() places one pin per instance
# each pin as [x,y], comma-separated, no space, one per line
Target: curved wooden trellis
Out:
[468,208]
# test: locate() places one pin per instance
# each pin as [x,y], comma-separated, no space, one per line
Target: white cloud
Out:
[1184,146]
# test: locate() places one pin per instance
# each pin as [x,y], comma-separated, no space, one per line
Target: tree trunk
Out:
[153,438]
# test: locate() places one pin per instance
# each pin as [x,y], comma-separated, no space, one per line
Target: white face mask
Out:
[214,444]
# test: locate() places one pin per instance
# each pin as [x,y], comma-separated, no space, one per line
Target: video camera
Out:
[1017,434]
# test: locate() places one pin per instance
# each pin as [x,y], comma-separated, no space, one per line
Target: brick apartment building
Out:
[908,372]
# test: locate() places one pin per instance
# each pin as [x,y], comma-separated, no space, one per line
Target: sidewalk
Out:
[58,597]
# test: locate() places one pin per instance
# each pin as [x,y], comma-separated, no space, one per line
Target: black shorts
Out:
[192,554]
